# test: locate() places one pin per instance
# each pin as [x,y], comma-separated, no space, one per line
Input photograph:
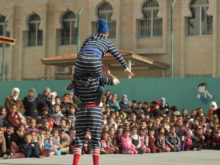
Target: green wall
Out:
[179,92]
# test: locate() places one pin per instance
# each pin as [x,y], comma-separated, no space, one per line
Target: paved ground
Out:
[182,158]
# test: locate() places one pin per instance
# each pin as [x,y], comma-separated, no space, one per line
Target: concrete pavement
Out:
[204,157]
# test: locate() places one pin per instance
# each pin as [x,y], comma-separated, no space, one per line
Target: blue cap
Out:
[102,26]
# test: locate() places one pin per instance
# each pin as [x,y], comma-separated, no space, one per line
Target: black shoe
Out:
[99,97]
[77,102]
[70,86]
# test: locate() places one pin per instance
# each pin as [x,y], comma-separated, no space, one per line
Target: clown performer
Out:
[89,61]
[90,116]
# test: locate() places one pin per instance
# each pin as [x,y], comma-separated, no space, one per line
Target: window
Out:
[150,25]
[69,31]
[2,19]
[200,23]
[105,11]
[35,35]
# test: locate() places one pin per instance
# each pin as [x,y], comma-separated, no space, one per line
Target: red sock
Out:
[77,154]
[96,153]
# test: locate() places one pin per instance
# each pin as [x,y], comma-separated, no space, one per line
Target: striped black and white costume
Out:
[89,60]
[89,117]
[88,78]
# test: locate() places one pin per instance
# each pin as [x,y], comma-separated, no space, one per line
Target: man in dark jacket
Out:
[33,104]
[45,97]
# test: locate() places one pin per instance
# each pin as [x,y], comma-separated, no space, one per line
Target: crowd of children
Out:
[44,125]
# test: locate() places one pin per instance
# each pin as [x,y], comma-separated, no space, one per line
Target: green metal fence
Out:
[180,92]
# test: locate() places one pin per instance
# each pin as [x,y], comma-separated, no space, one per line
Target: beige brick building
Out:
[47,28]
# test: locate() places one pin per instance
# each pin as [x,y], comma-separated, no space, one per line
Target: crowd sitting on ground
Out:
[43,125]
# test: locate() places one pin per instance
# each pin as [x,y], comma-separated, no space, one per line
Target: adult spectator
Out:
[139,110]
[124,104]
[212,109]
[114,105]
[32,104]
[217,112]
[13,99]
[45,97]
[164,107]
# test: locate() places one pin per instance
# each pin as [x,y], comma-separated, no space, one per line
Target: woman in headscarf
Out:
[213,108]
[13,99]
[32,104]
[124,104]
[164,107]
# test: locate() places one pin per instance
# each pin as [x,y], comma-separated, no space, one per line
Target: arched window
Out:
[69,31]
[200,23]
[150,25]
[105,11]
[35,35]
[2,19]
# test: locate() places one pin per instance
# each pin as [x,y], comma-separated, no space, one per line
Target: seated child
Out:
[87,147]
[72,136]
[64,141]
[188,140]
[216,140]
[152,146]
[63,126]
[173,140]
[112,140]
[14,117]
[29,148]
[2,115]
[56,142]
[49,143]
[126,143]
[32,126]
[161,144]
[136,140]
[144,141]
[71,115]
[197,143]
[57,115]
[2,144]
[105,148]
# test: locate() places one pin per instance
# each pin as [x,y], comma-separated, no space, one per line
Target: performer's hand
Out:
[116,81]
[130,74]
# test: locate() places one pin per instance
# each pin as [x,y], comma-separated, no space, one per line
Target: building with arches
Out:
[48,28]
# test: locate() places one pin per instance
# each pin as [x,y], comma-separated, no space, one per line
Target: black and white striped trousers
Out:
[88,118]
